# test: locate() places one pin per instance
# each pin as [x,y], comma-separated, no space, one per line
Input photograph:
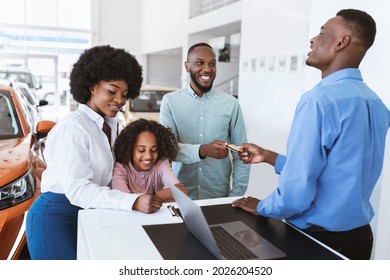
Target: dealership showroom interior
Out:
[260,48]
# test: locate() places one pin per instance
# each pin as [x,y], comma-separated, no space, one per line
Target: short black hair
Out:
[360,23]
[104,63]
[167,142]
[196,46]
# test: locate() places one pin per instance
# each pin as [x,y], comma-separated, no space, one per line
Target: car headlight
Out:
[17,191]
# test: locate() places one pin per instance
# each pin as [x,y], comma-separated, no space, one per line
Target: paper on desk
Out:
[117,218]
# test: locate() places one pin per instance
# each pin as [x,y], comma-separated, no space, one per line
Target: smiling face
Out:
[108,97]
[201,65]
[145,151]
[326,45]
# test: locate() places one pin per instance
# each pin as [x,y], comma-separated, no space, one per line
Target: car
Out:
[20,74]
[22,139]
[47,89]
[146,105]
[30,95]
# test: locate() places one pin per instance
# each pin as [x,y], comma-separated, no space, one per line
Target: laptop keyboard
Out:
[230,247]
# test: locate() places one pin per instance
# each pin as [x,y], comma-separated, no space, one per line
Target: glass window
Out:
[33,37]
[147,101]
[9,126]
[28,114]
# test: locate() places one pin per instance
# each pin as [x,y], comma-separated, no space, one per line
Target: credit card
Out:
[233,147]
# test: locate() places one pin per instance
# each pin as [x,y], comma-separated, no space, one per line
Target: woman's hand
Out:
[147,203]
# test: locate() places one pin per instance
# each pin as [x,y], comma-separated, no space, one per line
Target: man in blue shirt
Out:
[205,119]
[336,145]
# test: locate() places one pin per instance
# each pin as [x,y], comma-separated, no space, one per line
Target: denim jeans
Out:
[51,228]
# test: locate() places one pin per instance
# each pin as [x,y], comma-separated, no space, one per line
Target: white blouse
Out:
[80,162]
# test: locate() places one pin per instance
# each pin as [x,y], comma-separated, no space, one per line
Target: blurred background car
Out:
[43,87]
[146,105]
[19,74]
[30,95]
[22,138]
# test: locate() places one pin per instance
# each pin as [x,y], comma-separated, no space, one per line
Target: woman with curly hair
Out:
[79,154]
[143,153]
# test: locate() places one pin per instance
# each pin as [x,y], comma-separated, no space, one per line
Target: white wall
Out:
[216,18]
[116,22]
[165,23]
[271,30]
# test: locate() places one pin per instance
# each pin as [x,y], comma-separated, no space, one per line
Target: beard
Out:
[198,85]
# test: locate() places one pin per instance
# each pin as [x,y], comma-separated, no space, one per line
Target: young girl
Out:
[143,153]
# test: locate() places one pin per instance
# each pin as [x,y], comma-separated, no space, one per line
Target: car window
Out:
[147,101]
[9,125]
[28,95]
[18,77]
[28,113]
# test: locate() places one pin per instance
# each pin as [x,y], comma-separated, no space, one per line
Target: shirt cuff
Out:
[128,201]
[259,207]
[279,163]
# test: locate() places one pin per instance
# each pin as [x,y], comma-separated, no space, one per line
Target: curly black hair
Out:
[166,140]
[104,63]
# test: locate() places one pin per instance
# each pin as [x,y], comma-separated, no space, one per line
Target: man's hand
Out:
[248,204]
[216,149]
[251,153]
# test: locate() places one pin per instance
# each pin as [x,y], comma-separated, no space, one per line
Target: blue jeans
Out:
[51,228]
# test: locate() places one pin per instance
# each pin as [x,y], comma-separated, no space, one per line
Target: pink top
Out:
[125,178]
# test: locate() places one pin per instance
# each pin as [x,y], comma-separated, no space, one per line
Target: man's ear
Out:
[345,40]
[187,66]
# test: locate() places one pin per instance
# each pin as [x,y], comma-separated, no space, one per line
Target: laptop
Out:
[233,240]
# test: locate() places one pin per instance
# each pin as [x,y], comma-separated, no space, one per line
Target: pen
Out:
[154,189]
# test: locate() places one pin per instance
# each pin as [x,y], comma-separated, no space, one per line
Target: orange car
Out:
[22,136]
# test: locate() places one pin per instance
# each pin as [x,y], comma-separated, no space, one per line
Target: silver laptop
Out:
[233,240]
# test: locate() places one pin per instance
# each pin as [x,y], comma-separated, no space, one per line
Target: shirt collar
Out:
[191,92]
[96,118]
[348,73]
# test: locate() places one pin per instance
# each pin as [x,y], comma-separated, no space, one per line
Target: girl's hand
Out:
[182,188]
[166,194]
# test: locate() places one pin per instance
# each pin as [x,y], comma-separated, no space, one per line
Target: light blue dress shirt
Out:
[334,157]
[200,120]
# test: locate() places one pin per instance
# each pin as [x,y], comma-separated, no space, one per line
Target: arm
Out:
[81,169]
[215,149]
[251,153]
[120,179]
[166,194]
[168,178]
[307,157]
[188,153]
[146,203]
[249,204]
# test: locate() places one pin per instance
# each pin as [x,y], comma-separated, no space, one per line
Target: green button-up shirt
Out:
[200,120]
